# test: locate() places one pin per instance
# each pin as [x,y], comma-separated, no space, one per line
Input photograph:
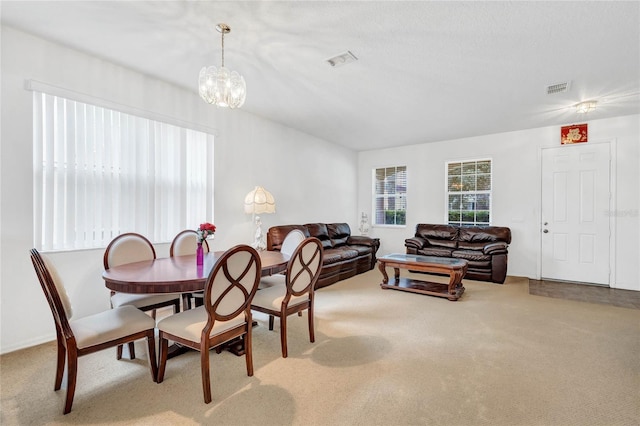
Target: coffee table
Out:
[455,268]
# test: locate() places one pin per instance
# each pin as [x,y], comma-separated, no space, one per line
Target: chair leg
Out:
[164,350]
[151,344]
[72,374]
[271,322]
[62,355]
[283,335]
[312,334]
[248,349]
[206,379]
[132,351]
[119,352]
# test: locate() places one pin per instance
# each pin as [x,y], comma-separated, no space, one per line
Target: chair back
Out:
[128,248]
[304,267]
[185,243]
[54,292]
[232,284]
[291,242]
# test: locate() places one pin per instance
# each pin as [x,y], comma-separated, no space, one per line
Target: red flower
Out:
[209,227]
[204,230]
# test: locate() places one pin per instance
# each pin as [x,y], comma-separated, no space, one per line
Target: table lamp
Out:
[257,202]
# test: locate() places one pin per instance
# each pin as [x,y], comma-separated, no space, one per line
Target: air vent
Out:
[558,88]
[342,59]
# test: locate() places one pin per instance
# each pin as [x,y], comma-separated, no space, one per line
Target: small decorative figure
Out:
[364,224]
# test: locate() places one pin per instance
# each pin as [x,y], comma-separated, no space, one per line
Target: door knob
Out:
[546,223]
[545,230]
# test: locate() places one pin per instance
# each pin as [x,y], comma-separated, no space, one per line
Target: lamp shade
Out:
[259,201]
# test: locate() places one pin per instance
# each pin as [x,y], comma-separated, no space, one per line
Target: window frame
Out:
[475,193]
[398,196]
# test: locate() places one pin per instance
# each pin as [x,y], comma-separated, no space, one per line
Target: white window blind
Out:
[469,192]
[99,172]
[390,185]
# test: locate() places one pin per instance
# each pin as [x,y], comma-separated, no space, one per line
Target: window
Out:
[100,172]
[469,192]
[390,195]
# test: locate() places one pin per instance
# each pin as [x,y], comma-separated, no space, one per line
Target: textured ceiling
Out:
[426,71]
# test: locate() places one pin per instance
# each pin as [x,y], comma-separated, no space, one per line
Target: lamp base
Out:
[259,241]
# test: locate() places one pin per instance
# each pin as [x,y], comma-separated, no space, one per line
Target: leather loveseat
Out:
[344,255]
[483,247]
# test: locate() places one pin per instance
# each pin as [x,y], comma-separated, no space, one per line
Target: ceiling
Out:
[426,71]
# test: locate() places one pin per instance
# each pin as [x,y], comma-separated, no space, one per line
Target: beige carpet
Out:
[498,356]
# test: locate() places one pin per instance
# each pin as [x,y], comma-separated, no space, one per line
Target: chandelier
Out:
[219,86]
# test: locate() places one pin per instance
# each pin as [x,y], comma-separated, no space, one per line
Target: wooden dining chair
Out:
[78,337]
[185,243]
[291,241]
[297,295]
[225,315]
[129,248]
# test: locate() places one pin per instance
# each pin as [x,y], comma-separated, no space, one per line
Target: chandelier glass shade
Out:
[220,86]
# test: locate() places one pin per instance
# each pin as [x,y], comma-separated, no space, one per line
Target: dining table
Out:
[180,274]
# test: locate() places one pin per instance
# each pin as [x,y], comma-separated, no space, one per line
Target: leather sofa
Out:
[483,247]
[344,255]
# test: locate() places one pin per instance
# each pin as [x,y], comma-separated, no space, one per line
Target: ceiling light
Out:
[219,86]
[342,59]
[586,106]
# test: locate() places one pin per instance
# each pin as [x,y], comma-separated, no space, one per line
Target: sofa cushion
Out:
[362,250]
[436,251]
[472,255]
[346,253]
[438,235]
[321,232]
[331,256]
[339,233]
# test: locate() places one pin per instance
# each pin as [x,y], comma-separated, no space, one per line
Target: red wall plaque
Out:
[573,134]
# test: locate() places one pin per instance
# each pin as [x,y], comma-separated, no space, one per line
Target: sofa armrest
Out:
[495,248]
[361,240]
[415,242]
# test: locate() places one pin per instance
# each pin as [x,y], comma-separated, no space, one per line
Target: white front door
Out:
[575,224]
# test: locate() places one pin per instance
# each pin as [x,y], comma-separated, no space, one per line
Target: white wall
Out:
[302,172]
[516,189]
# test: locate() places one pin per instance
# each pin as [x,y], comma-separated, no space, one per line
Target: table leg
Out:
[396,274]
[385,277]
[455,284]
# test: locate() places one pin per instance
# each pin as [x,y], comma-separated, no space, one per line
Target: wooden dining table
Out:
[177,274]
[180,274]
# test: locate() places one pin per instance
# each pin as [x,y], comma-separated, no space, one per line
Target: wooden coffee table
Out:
[455,268]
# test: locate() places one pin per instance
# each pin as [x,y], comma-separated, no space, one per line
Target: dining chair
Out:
[291,241]
[185,243]
[89,334]
[129,248]
[303,271]
[225,315]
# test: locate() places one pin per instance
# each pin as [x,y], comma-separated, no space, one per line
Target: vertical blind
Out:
[100,172]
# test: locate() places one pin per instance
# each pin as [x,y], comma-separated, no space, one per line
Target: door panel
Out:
[575,226]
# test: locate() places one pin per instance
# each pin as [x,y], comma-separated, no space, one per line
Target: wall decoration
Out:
[573,134]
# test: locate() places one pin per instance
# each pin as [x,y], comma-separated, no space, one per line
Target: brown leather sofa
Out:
[344,255]
[483,247]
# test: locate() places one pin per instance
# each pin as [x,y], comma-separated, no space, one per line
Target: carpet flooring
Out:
[498,356]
